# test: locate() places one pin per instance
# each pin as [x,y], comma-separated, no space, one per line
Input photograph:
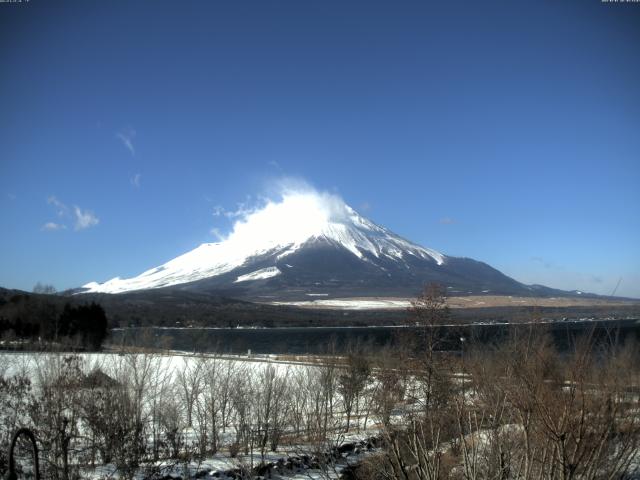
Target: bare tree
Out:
[270,407]
[54,412]
[189,378]
[300,380]
[15,389]
[352,380]
[242,394]
[135,373]
[172,424]
[215,396]
[44,288]
[430,312]
[230,370]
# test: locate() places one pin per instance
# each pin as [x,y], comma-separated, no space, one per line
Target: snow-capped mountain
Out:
[313,244]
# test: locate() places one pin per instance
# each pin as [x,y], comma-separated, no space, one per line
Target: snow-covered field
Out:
[151,415]
[249,399]
[170,364]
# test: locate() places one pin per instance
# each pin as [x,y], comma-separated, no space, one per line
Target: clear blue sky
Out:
[504,131]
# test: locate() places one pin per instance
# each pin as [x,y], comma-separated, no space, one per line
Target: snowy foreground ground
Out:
[178,375]
[156,416]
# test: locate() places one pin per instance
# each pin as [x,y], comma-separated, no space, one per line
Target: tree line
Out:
[38,319]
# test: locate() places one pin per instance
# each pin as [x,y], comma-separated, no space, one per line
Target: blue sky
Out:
[504,131]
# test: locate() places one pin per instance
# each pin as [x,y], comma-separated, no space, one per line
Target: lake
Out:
[318,340]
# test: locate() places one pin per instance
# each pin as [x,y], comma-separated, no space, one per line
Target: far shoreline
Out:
[455,302]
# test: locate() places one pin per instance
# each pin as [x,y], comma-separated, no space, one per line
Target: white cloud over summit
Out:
[293,208]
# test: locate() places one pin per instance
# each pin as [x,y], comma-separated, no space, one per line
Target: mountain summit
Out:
[312,244]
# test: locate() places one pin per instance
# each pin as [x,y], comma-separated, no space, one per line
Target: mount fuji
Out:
[310,245]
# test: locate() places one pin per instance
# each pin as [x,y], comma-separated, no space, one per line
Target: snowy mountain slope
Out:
[312,244]
[277,232]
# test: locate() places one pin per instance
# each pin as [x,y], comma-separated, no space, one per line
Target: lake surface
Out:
[320,340]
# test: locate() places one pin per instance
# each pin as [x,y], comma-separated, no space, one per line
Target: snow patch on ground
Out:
[350,304]
[259,274]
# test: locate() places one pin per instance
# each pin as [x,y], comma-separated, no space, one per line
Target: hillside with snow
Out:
[313,244]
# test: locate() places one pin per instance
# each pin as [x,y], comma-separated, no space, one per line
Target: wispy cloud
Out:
[52,227]
[447,221]
[274,164]
[135,180]
[84,218]
[11,196]
[216,233]
[126,136]
[218,210]
[242,210]
[61,208]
